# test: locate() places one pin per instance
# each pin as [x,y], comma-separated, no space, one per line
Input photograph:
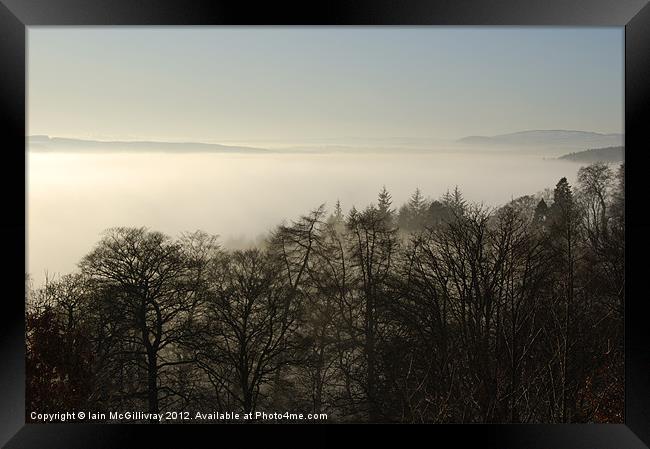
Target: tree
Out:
[60,363]
[155,289]
[564,230]
[384,203]
[438,213]
[337,216]
[595,184]
[250,321]
[541,213]
[412,215]
[455,201]
[524,279]
[618,198]
[322,318]
[372,245]
[294,246]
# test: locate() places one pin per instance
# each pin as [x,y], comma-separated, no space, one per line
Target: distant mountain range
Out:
[608,154]
[547,142]
[558,140]
[60,144]
[44,143]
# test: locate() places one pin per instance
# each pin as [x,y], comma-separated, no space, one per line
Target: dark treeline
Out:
[436,311]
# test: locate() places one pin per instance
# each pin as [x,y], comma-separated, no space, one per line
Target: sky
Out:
[221,84]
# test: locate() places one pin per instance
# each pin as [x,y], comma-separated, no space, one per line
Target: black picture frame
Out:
[16,15]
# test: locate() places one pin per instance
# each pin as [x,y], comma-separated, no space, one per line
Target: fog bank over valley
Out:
[78,188]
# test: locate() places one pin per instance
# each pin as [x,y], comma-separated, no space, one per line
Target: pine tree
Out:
[455,201]
[541,213]
[417,202]
[562,208]
[413,214]
[564,229]
[353,215]
[385,201]
[338,211]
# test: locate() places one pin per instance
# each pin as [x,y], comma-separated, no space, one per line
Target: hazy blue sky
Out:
[260,83]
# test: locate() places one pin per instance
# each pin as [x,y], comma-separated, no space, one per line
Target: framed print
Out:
[428,215]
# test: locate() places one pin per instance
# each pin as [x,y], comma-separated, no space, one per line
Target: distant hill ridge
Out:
[548,142]
[46,143]
[558,139]
[607,154]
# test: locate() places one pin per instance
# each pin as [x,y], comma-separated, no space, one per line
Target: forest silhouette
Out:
[436,311]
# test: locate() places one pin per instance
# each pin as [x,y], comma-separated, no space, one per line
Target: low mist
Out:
[73,197]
